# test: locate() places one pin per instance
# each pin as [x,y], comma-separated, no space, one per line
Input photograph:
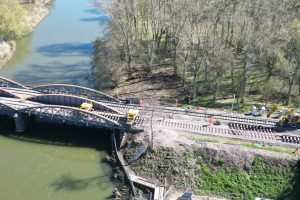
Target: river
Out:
[55,162]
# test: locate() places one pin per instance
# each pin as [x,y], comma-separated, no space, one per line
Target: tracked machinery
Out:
[131,120]
[131,116]
[288,117]
[86,106]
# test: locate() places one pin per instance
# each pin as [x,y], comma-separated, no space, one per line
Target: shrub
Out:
[217,122]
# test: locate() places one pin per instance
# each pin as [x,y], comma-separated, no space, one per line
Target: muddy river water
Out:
[55,162]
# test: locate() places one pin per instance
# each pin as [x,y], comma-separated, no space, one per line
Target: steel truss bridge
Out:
[59,103]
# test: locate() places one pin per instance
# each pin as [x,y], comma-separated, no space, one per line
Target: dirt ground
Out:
[161,85]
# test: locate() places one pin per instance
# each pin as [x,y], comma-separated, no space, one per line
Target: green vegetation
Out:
[12,20]
[217,122]
[217,49]
[278,149]
[261,180]
[208,175]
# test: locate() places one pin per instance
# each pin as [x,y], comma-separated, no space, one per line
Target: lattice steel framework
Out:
[6,109]
[68,115]
[74,90]
[4,82]
[70,100]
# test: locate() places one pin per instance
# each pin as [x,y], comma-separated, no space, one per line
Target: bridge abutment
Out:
[116,139]
[20,122]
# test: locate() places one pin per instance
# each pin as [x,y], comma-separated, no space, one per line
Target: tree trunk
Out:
[129,59]
[151,51]
[195,84]
[206,73]
[159,38]
[175,67]
[244,79]
[288,99]
[184,69]
[227,33]
[166,45]
[232,74]
[298,85]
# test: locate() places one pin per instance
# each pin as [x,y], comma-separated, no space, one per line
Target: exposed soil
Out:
[161,85]
[6,51]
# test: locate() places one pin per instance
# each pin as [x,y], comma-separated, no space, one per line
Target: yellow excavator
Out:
[130,120]
[86,106]
[288,119]
[131,116]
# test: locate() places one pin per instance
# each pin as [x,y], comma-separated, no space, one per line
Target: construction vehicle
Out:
[131,116]
[288,118]
[86,106]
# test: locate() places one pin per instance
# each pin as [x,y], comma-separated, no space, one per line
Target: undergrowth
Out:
[211,175]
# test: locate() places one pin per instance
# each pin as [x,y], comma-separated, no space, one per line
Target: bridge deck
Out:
[23,93]
[17,104]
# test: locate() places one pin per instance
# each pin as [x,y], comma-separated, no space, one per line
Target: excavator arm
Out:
[274,107]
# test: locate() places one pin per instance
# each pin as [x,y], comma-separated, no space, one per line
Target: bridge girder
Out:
[6,109]
[74,90]
[71,100]
[6,93]
[5,82]
[64,114]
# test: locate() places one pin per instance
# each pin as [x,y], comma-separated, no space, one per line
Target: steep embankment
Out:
[36,13]
[223,170]
[6,51]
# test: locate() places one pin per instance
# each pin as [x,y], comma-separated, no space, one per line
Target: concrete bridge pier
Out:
[20,122]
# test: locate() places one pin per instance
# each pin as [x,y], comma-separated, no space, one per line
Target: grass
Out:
[224,103]
[278,149]
[204,101]
[262,180]
[207,174]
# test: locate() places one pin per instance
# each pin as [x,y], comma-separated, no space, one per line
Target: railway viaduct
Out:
[59,103]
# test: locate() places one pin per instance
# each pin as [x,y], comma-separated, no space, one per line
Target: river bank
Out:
[207,166]
[35,14]
[215,169]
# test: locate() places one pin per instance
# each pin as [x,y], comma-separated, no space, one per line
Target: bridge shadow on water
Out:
[69,183]
[67,49]
[97,16]
[65,135]
[59,135]
[100,19]
[55,72]
[93,11]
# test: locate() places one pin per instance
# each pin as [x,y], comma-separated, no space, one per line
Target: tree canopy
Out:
[217,47]
[12,19]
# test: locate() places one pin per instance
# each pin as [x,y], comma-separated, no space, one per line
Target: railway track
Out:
[251,127]
[214,130]
[241,127]
[253,135]
[193,113]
